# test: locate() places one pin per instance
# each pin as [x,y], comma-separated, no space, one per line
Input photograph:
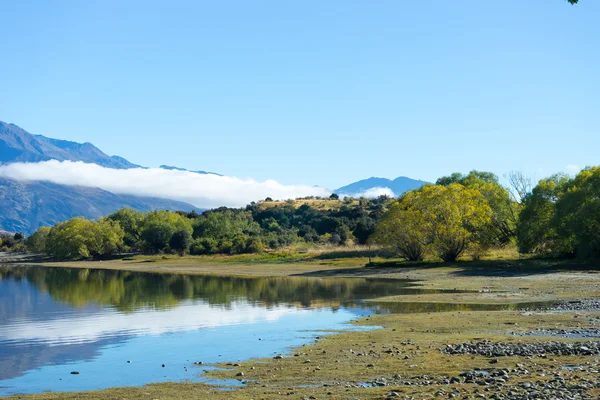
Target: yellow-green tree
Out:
[81,238]
[502,227]
[401,231]
[445,220]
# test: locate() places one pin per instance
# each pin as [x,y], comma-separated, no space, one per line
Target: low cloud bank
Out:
[375,192]
[203,191]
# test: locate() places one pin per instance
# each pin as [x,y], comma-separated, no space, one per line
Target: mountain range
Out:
[27,205]
[398,186]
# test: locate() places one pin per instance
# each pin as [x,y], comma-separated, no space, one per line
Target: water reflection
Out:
[56,320]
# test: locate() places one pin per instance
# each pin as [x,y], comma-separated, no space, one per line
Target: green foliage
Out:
[36,243]
[204,246]
[180,241]
[537,231]
[159,226]
[578,213]
[236,231]
[81,238]
[502,227]
[131,221]
[401,231]
[445,220]
[12,243]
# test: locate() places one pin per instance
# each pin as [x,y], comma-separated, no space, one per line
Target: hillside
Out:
[25,206]
[18,145]
[398,186]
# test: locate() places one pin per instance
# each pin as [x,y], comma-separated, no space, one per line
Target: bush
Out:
[204,246]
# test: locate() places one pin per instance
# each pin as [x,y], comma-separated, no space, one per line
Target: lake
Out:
[118,328]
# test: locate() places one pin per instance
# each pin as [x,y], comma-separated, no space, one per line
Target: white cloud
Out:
[573,169]
[189,315]
[376,192]
[200,190]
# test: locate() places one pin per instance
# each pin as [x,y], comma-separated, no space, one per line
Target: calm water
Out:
[119,328]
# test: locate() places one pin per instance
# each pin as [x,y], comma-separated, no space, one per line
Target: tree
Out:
[36,243]
[521,185]
[444,219]
[503,225]
[334,196]
[401,231]
[159,226]
[538,230]
[131,221]
[365,227]
[81,238]
[180,241]
[578,213]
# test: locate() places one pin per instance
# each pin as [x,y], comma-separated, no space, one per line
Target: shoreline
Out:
[393,360]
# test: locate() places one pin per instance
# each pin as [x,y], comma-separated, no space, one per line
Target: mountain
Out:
[171,168]
[25,206]
[398,186]
[18,145]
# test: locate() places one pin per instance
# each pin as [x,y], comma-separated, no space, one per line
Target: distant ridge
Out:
[171,168]
[18,145]
[25,206]
[399,185]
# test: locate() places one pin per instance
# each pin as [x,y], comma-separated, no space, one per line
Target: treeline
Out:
[252,229]
[471,213]
[559,217]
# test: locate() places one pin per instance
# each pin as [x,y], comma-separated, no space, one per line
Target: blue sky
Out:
[311,92]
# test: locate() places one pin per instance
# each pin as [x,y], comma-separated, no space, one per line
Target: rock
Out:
[240,374]
[278,357]
[74,372]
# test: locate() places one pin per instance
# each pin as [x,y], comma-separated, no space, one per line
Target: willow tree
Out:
[502,227]
[400,230]
[445,220]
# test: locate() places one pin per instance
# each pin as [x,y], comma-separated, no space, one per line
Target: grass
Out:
[318,204]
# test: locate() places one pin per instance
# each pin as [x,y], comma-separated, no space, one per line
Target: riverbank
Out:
[414,355]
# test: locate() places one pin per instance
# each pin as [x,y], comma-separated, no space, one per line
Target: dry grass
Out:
[321,204]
